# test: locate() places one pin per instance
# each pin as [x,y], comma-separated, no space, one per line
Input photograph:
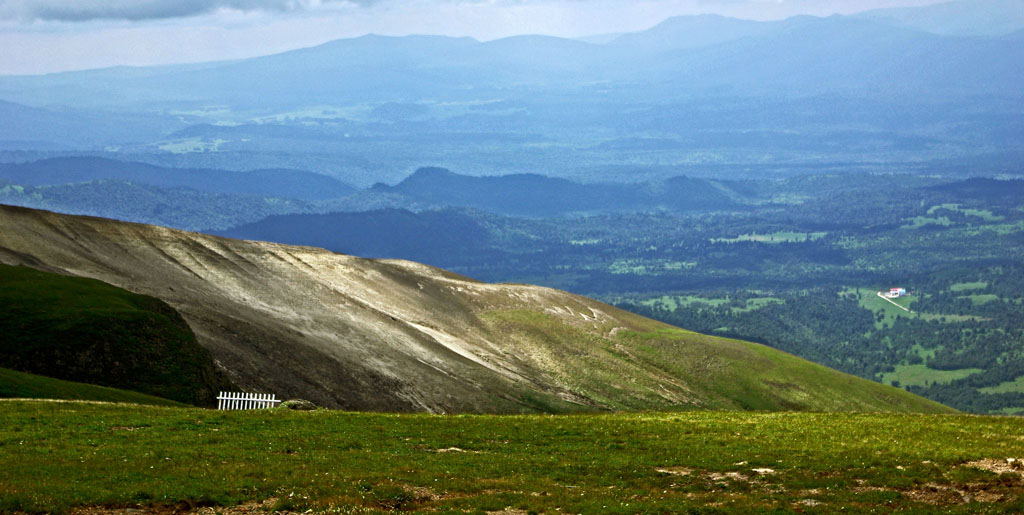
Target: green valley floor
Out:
[97,458]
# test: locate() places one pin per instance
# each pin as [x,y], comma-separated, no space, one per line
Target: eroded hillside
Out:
[390,335]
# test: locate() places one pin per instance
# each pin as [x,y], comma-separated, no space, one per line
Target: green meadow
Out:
[14,384]
[921,375]
[56,457]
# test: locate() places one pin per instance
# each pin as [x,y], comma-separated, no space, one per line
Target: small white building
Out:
[897,292]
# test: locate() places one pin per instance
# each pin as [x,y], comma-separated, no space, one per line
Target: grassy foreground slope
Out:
[17,385]
[388,335]
[88,331]
[123,456]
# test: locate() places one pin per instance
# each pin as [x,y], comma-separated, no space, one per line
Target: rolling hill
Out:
[20,385]
[389,335]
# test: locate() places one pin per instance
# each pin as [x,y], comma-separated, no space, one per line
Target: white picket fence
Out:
[238,400]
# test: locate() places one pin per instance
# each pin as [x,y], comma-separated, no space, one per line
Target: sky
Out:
[44,36]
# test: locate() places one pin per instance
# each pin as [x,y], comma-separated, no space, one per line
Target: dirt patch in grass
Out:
[455,450]
[722,476]
[674,471]
[1003,466]
[936,495]
[250,507]
[422,493]
[718,476]
[947,495]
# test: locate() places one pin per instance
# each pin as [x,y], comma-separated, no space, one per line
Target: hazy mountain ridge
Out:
[219,200]
[60,127]
[295,184]
[854,56]
[964,17]
[378,68]
[709,94]
[686,32]
[400,336]
[538,196]
[181,208]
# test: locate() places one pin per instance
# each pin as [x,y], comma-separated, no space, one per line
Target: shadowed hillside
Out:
[400,336]
[19,385]
[83,330]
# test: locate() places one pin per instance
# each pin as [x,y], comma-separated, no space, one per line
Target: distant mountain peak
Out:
[692,31]
[430,172]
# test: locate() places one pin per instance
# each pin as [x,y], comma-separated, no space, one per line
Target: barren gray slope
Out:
[399,336]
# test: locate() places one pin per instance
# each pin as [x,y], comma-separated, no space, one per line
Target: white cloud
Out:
[139,10]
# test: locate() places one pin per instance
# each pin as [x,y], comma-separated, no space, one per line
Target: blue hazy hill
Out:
[959,18]
[685,56]
[537,195]
[295,184]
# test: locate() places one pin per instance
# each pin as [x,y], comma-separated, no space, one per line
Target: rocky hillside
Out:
[386,335]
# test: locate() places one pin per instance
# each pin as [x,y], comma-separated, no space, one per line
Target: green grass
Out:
[648,267]
[1005,229]
[755,377]
[933,209]
[905,301]
[662,368]
[919,375]
[186,146]
[88,331]
[30,386]
[923,352]
[117,456]
[959,287]
[758,303]
[978,300]
[870,300]
[674,302]
[984,214]
[1016,385]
